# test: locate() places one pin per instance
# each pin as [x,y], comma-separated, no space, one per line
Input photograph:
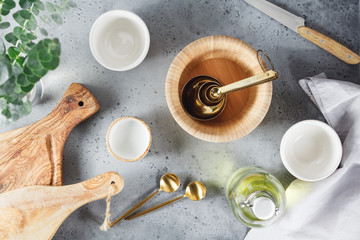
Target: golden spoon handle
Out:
[248,82]
[134,208]
[154,208]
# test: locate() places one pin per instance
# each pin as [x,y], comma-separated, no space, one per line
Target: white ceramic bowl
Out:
[128,139]
[119,40]
[311,150]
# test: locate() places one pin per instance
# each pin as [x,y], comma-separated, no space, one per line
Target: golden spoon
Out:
[195,191]
[168,183]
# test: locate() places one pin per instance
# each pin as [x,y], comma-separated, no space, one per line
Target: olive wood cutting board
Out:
[32,155]
[36,212]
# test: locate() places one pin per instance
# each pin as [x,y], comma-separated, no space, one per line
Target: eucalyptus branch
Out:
[25,62]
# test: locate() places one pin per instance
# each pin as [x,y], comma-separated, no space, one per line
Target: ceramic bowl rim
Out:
[132,17]
[333,138]
[108,142]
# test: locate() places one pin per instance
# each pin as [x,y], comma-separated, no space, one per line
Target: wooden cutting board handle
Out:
[76,105]
[36,212]
[32,155]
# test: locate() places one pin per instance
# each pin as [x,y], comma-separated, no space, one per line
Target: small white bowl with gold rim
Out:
[128,139]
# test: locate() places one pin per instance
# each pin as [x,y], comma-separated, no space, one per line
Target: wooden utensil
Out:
[36,212]
[32,155]
[297,24]
[228,59]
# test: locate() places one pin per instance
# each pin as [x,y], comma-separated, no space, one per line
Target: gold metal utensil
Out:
[169,182]
[204,97]
[195,191]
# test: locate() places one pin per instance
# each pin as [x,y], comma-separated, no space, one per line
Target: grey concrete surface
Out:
[140,93]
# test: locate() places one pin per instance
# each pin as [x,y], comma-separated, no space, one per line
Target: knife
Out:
[297,24]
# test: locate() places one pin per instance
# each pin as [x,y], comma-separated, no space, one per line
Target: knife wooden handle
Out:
[329,45]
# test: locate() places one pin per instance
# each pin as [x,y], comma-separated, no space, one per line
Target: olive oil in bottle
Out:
[256,198]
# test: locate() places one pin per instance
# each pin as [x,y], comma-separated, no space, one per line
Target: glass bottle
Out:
[36,93]
[256,197]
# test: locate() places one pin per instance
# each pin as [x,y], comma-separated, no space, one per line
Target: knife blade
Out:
[297,24]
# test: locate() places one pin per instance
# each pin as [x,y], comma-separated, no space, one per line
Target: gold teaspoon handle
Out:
[134,208]
[154,208]
[264,77]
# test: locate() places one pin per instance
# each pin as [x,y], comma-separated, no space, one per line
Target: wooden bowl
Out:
[227,59]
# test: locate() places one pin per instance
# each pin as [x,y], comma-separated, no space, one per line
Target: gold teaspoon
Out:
[168,183]
[195,191]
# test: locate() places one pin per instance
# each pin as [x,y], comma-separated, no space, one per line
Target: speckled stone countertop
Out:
[140,93]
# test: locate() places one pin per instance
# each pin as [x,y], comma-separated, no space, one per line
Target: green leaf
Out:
[4,25]
[5,70]
[4,12]
[31,36]
[32,78]
[56,18]
[59,9]
[6,6]
[54,47]
[24,38]
[35,11]
[18,31]
[50,7]
[9,4]
[31,24]
[22,81]
[32,60]
[18,18]
[27,70]
[40,73]
[27,107]
[25,4]
[44,55]
[13,52]
[23,47]
[6,112]
[52,64]
[11,38]
[17,89]
[72,4]
[39,5]
[8,86]
[43,32]
[25,18]
[2,48]
[30,44]
[17,68]
[27,88]
[26,14]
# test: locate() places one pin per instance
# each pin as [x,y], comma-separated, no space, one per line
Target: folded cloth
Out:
[330,208]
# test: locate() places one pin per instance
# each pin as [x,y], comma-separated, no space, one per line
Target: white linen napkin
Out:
[327,209]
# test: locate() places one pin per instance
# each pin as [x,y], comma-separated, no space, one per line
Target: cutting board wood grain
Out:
[32,155]
[36,212]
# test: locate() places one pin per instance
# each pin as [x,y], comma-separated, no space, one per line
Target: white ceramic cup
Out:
[119,40]
[128,139]
[311,150]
